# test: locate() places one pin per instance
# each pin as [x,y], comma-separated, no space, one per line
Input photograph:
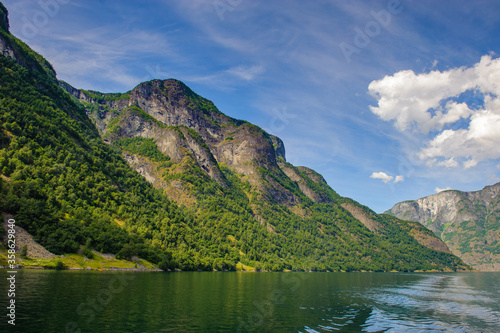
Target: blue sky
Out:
[388,100]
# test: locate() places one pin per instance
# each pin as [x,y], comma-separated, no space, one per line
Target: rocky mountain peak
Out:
[466,221]
[174,104]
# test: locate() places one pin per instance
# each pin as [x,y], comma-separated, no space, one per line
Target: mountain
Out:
[468,222]
[160,173]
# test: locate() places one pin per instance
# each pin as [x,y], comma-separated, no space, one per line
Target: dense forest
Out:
[70,189]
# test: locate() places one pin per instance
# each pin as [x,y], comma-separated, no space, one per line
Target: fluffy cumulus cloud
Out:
[460,133]
[382,176]
[386,178]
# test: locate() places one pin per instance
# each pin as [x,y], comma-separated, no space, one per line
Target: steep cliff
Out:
[22,54]
[164,109]
[468,222]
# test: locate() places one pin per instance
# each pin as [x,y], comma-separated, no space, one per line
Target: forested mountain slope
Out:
[468,222]
[159,172]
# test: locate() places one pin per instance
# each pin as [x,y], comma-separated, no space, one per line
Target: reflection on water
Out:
[50,301]
[436,303]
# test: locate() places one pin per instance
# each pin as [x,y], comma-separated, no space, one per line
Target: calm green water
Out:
[79,301]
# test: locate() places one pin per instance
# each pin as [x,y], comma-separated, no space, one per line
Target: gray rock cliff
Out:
[468,222]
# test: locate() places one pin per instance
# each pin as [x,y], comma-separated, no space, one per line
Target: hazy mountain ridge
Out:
[468,222]
[223,192]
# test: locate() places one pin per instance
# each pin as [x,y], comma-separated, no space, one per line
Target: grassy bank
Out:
[79,261]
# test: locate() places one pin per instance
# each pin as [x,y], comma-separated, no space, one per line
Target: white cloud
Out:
[382,176]
[481,141]
[424,103]
[386,178]
[437,189]
[470,164]
[449,163]
[399,178]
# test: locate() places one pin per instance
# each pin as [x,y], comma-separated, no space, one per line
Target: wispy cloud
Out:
[106,54]
[245,72]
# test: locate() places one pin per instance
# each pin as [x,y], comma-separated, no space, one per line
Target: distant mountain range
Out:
[468,222]
[160,173]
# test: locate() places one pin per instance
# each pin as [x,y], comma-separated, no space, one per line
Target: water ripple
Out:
[438,303]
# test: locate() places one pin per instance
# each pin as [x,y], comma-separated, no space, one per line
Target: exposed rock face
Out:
[363,217]
[175,143]
[430,241]
[144,168]
[75,92]
[312,175]
[235,143]
[279,147]
[104,110]
[303,176]
[468,222]
[6,50]
[34,250]
[170,103]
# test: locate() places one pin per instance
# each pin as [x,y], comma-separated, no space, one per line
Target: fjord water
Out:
[83,301]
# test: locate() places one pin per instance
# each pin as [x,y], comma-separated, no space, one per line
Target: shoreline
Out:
[133,269]
[86,269]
